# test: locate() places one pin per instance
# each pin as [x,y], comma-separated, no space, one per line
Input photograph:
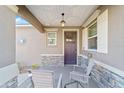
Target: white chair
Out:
[43,78]
[81,77]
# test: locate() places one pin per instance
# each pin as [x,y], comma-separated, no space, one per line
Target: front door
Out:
[70,47]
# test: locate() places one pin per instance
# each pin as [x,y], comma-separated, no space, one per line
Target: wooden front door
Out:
[70,47]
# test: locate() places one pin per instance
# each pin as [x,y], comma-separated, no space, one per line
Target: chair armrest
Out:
[79,69]
[79,76]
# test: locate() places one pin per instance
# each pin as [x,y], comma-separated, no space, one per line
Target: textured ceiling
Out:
[75,15]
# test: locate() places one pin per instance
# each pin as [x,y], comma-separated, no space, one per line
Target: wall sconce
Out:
[22,41]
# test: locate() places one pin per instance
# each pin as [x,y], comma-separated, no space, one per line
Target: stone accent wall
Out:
[21,81]
[103,77]
[106,78]
[13,83]
[52,60]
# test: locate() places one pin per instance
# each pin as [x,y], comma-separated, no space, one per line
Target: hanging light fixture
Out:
[62,21]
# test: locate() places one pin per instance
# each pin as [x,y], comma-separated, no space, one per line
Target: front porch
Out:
[45,44]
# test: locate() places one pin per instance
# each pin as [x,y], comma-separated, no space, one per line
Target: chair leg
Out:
[77,84]
[32,83]
[81,85]
[88,85]
[61,85]
[69,83]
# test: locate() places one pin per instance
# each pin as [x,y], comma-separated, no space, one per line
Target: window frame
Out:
[48,38]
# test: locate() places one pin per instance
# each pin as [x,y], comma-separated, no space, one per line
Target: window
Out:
[95,36]
[52,38]
[92,36]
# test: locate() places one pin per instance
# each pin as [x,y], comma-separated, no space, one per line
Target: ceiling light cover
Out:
[62,23]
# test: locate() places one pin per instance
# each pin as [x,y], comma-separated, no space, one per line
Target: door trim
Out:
[71,30]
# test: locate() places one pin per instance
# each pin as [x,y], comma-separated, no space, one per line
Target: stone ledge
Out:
[52,60]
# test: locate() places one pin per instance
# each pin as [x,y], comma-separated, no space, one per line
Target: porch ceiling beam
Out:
[24,12]
[61,27]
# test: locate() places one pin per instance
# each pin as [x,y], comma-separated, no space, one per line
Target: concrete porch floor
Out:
[65,70]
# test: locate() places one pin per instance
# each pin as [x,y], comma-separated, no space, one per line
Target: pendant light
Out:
[62,21]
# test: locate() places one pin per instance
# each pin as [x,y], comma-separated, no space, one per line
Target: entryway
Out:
[70,47]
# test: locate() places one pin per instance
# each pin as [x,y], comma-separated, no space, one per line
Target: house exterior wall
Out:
[115,55]
[28,52]
[35,50]
[7,37]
